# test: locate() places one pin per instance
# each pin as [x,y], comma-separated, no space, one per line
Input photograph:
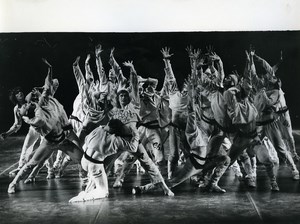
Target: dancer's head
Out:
[123,98]
[16,96]
[115,126]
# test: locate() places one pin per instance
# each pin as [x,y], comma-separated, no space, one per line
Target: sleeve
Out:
[87,92]
[17,122]
[271,97]
[268,68]
[170,77]
[231,102]
[130,145]
[134,87]
[251,69]
[153,82]
[47,89]
[103,85]
[164,92]
[118,71]
[194,135]
[240,112]
[88,74]
[79,78]
[220,73]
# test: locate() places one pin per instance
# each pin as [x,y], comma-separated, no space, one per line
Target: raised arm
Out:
[88,72]
[250,68]
[100,69]
[48,85]
[268,68]
[49,77]
[191,130]
[134,82]
[275,67]
[80,80]
[116,68]
[170,77]
[194,57]
[220,69]
[103,85]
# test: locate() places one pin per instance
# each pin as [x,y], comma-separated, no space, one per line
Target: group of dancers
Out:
[213,122]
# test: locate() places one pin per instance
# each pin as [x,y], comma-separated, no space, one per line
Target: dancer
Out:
[101,143]
[49,119]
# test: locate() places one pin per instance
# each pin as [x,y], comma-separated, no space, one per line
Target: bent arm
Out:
[16,125]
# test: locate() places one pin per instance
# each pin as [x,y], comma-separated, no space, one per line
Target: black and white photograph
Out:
[138,112]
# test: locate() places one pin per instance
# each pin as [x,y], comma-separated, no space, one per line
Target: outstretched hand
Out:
[128,64]
[112,52]
[200,62]
[98,50]
[247,55]
[166,53]
[214,57]
[210,49]
[196,53]
[193,53]
[189,49]
[46,62]
[88,57]
[252,50]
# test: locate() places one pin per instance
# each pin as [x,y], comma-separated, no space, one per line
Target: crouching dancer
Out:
[99,144]
[50,120]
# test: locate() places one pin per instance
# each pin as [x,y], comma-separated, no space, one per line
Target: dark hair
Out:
[117,97]
[12,94]
[115,126]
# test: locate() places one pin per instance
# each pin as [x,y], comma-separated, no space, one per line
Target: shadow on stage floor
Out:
[46,201]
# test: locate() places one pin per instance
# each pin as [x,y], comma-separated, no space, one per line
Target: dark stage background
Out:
[21,64]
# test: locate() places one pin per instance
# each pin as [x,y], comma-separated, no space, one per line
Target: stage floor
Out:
[46,201]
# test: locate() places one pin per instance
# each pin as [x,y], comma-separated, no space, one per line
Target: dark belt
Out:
[176,126]
[75,118]
[262,123]
[208,120]
[282,110]
[92,160]
[226,130]
[67,127]
[250,135]
[195,163]
[55,138]
[151,124]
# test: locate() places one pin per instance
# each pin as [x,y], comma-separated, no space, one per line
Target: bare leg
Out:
[41,154]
